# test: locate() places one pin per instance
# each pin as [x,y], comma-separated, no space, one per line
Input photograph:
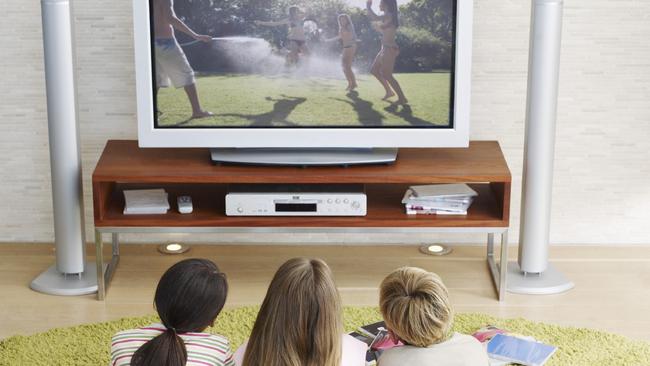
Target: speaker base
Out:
[53,282]
[548,282]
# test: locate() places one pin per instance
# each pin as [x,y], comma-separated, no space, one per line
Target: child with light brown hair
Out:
[300,322]
[415,306]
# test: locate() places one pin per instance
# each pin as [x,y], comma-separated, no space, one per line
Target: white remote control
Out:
[184,204]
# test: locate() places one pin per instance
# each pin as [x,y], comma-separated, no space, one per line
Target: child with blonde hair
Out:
[300,322]
[415,306]
[348,37]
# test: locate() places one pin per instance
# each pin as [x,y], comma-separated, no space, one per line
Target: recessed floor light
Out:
[173,248]
[435,249]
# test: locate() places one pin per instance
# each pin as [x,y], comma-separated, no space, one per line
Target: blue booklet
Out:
[518,350]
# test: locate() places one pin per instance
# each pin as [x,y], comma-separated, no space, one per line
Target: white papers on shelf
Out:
[441,191]
[145,202]
[438,199]
[412,211]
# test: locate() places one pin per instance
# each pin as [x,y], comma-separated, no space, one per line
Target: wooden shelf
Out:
[384,210]
[189,171]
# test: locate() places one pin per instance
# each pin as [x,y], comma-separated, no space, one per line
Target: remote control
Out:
[184,204]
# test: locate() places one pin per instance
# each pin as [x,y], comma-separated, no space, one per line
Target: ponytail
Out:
[188,298]
[166,349]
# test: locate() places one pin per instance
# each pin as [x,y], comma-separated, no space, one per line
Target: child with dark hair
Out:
[383,66]
[189,296]
[171,63]
[297,40]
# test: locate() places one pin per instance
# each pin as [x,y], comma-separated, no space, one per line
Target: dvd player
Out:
[296,200]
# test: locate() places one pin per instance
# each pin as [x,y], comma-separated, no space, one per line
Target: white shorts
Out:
[172,65]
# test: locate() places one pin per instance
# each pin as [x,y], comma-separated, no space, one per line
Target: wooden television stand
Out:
[123,165]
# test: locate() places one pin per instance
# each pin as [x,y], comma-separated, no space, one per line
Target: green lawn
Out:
[254,100]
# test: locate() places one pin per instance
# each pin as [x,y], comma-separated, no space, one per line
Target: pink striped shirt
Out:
[203,349]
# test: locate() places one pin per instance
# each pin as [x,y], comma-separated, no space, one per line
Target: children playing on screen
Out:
[416,308]
[300,322]
[297,41]
[171,63]
[189,296]
[384,64]
[348,38]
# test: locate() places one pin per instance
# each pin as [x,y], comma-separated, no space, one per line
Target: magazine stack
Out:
[145,202]
[439,199]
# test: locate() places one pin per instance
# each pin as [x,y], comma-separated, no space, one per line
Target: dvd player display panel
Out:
[296,200]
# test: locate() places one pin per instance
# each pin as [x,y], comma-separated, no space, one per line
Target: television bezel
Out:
[322,137]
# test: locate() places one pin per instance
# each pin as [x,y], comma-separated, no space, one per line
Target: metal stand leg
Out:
[99,258]
[105,273]
[115,240]
[498,272]
[490,245]
[503,266]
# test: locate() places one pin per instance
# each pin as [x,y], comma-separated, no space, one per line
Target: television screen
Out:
[303,63]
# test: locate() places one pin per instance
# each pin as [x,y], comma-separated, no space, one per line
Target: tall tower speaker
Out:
[532,273]
[71,275]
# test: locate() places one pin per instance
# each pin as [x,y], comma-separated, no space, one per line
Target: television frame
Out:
[320,137]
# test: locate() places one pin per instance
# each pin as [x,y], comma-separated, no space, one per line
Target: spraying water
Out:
[256,55]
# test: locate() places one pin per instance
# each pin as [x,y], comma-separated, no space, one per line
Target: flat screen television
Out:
[303,73]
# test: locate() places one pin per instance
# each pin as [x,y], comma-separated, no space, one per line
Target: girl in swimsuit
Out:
[297,40]
[348,38]
[382,67]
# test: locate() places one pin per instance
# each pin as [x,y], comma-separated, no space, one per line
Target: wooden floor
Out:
[612,284]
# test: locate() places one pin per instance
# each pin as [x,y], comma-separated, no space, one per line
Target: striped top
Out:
[203,349]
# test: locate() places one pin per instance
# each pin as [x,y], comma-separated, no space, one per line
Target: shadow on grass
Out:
[406,113]
[367,115]
[320,85]
[282,108]
[185,121]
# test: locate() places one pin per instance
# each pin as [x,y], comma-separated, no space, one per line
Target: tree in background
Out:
[434,16]
[428,33]
[424,37]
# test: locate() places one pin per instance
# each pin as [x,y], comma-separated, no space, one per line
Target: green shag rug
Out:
[90,344]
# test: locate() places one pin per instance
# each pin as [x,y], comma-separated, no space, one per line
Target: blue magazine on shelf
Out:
[518,350]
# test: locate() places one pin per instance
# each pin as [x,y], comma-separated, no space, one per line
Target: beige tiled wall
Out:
[601,193]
